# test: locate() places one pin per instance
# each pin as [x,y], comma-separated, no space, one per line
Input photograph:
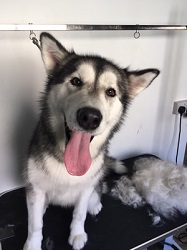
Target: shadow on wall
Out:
[29,86]
[24,127]
[170,73]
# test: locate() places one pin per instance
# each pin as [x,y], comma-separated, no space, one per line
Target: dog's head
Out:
[89,94]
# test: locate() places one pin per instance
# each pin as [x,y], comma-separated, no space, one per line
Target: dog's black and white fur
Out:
[84,103]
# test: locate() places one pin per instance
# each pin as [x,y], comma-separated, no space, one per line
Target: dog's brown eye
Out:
[111,92]
[76,82]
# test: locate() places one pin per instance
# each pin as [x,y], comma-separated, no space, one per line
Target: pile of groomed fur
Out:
[158,183]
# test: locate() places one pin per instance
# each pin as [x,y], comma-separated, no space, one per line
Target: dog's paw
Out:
[96,209]
[94,205]
[32,246]
[78,241]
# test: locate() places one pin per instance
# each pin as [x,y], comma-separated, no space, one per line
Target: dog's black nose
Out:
[89,118]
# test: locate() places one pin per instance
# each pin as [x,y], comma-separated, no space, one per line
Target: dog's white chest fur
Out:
[60,187]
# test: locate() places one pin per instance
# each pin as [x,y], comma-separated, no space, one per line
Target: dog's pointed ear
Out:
[139,80]
[52,51]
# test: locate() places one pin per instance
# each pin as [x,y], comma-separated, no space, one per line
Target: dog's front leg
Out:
[78,237]
[36,205]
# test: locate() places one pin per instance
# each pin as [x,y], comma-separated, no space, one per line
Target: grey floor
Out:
[184,239]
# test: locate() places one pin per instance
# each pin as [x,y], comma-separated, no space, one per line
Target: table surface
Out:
[116,227]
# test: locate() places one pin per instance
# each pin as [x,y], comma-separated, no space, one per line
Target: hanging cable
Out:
[171,245]
[181,111]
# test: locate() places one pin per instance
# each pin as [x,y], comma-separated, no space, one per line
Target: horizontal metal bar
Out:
[83,27]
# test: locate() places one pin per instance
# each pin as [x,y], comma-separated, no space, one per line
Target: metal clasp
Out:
[33,38]
[137,33]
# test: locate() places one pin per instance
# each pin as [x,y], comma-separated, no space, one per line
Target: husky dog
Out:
[83,105]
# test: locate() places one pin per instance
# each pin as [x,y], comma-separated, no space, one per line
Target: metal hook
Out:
[32,37]
[137,33]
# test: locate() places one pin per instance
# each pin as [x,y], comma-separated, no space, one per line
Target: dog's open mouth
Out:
[77,156]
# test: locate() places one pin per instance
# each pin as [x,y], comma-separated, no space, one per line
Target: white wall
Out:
[149,124]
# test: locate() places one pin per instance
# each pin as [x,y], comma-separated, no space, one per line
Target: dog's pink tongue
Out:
[77,154]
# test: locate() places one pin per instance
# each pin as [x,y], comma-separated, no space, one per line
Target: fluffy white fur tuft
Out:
[161,184]
[127,193]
